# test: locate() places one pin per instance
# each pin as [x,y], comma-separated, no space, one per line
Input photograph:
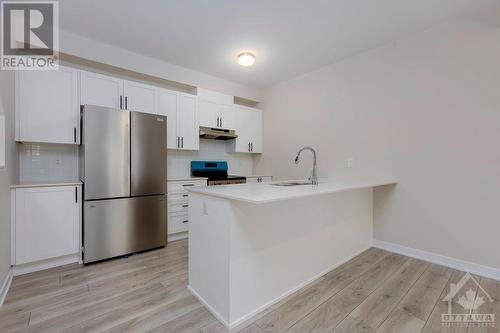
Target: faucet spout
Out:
[314,176]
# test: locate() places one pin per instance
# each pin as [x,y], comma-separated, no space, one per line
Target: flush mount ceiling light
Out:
[246,59]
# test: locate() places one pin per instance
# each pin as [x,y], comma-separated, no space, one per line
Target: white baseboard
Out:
[209,308]
[251,314]
[177,236]
[462,265]
[45,264]
[5,286]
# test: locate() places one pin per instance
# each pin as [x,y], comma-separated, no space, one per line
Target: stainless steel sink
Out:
[295,183]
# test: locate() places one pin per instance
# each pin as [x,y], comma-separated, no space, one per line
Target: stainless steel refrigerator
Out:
[123,167]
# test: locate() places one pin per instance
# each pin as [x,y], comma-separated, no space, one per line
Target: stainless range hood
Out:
[217,133]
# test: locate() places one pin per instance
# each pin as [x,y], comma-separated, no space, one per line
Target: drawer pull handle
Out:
[185,221]
[188,185]
[185,195]
[185,206]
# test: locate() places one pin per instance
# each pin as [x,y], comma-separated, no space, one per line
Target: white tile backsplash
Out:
[179,162]
[47,162]
[51,162]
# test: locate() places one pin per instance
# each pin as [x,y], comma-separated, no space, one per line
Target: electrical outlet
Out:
[350,162]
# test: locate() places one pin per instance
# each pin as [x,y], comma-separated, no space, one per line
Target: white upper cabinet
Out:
[216,115]
[226,114]
[248,125]
[256,141]
[47,106]
[188,128]
[101,90]
[167,106]
[208,113]
[216,110]
[139,97]
[112,92]
[182,119]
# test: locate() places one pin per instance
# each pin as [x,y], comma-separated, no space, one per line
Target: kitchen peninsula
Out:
[251,245]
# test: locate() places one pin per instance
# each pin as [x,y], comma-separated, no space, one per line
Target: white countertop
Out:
[47,184]
[258,193]
[256,176]
[187,178]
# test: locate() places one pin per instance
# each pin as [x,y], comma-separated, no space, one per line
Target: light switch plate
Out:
[2,141]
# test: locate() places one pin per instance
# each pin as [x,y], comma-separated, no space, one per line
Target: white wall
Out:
[9,174]
[111,55]
[424,110]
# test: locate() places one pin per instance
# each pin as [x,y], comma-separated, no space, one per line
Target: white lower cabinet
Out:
[259,179]
[178,204]
[46,223]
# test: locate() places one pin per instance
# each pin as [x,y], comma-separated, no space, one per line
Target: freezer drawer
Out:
[121,226]
[148,154]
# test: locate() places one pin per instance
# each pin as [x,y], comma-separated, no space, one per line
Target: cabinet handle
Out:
[182,142]
[188,185]
[217,121]
[178,142]
[221,122]
[76,194]
[185,206]
[126,102]
[185,221]
[185,195]
[251,147]
[121,102]
[74,134]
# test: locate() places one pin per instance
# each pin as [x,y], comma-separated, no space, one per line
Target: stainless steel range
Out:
[216,172]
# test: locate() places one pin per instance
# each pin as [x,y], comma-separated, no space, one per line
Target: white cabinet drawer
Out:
[173,187]
[178,203]
[177,224]
[176,197]
[176,207]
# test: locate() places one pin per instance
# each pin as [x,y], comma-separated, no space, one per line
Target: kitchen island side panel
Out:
[209,220]
[276,248]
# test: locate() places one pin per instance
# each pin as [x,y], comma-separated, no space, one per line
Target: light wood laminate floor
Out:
[375,292]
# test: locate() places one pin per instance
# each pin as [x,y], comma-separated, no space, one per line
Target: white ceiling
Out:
[289,37]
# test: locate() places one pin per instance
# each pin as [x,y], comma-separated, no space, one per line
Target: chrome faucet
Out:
[314,176]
